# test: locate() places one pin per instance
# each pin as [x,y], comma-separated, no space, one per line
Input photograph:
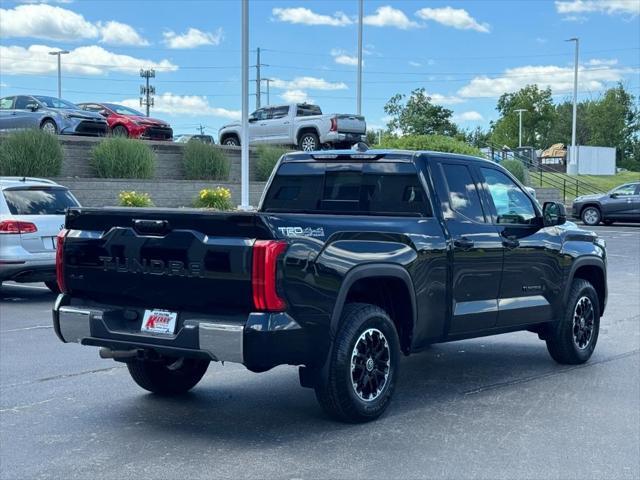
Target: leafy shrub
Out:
[218,198]
[517,169]
[30,153]
[268,156]
[437,143]
[205,162]
[135,199]
[119,157]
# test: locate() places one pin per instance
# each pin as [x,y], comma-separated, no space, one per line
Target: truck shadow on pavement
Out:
[273,405]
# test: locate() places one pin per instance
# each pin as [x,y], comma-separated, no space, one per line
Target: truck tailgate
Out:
[174,259]
[351,123]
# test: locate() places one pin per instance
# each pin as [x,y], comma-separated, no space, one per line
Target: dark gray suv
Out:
[622,204]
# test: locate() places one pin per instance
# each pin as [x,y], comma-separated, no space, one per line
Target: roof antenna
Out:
[360,147]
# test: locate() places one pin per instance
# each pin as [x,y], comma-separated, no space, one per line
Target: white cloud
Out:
[305,16]
[415,64]
[453,17]
[116,33]
[311,83]
[56,23]
[295,96]
[192,38]
[343,58]
[598,62]
[559,79]
[445,99]
[610,7]
[388,16]
[89,60]
[471,116]
[192,105]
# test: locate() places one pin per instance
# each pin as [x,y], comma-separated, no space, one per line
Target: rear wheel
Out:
[591,216]
[53,286]
[308,142]
[573,339]
[363,366]
[231,142]
[170,376]
[120,131]
[49,126]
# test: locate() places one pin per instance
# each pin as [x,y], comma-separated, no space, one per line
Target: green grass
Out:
[602,183]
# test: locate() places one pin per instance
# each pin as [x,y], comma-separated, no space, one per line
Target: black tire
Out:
[336,390]
[308,142]
[53,286]
[231,142]
[49,126]
[168,377]
[120,131]
[591,216]
[568,341]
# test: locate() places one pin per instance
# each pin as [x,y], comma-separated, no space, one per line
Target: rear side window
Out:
[463,193]
[308,110]
[358,189]
[39,201]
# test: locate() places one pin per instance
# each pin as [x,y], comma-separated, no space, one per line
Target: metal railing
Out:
[546,176]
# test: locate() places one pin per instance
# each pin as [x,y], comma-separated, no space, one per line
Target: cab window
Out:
[22,102]
[6,103]
[625,190]
[512,205]
[463,193]
[279,112]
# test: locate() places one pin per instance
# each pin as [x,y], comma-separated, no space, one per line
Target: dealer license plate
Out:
[159,321]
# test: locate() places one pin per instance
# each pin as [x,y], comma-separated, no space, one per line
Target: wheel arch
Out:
[306,129]
[590,204]
[388,286]
[591,269]
[44,119]
[227,135]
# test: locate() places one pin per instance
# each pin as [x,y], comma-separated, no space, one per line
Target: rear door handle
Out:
[463,243]
[510,242]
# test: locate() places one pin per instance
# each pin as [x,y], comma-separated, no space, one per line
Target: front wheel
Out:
[120,131]
[308,142]
[363,365]
[591,216]
[169,376]
[573,339]
[49,126]
[231,142]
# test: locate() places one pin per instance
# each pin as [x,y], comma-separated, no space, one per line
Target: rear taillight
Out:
[59,260]
[263,280]
[334,125]
[17,226]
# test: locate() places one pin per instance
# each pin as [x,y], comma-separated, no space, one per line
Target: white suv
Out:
[31,215]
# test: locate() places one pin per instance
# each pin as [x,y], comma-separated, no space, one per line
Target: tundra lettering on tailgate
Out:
[151,266]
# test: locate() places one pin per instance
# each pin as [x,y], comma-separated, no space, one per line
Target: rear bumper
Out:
[26,271]
[259,341]
[338,137]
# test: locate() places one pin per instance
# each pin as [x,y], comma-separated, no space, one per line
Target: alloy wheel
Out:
[370,364]
[49,127]
[583,323]
[590,216]
[308,144]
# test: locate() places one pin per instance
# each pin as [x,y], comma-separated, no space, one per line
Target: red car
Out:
[127,122]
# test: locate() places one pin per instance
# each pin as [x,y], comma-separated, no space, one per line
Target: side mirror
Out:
[554,213]
[32,106]
[251,119]
[104,113]
[613,195]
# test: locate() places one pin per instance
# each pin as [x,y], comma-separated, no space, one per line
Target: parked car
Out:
[353,259]
[127,122]
[299,124]
[31,216]
[622,204]
[184,138]
[53,115]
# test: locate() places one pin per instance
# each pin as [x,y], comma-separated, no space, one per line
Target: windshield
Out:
[52,102]
[39,200]
[122,110]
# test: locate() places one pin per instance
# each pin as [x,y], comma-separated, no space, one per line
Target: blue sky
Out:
[464,53]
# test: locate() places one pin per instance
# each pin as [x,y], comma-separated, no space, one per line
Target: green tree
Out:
[477,137]
[537,121]
[418,116]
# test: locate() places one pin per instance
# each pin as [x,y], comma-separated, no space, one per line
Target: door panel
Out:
[622,205]
[278,125]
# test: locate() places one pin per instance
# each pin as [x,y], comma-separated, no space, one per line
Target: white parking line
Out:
[36,327]
[33,287]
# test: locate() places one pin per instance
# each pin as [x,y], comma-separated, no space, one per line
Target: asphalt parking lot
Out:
[495,407]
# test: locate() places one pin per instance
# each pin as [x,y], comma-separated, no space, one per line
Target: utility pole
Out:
[258,80]
[359,88]
[201,128]
[147,91]
[268,80]
[520,111]
[59,53]
[572,167]
[244,140]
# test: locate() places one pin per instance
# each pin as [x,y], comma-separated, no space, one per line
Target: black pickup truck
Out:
[352,259]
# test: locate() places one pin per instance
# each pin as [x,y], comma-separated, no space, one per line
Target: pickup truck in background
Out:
[300,124]
[352,259]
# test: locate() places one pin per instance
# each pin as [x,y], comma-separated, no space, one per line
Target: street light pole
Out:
[359,88]
[244,141]
[572,167]
[59,53]
[520,111]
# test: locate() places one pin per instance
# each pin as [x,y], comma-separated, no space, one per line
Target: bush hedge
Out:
[135,199]
[268,156]
[204,162]
[437,143]
[30,153]
[218,198]
[119,157]
[517,169]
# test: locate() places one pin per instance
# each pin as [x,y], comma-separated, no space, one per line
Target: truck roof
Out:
[375,154]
